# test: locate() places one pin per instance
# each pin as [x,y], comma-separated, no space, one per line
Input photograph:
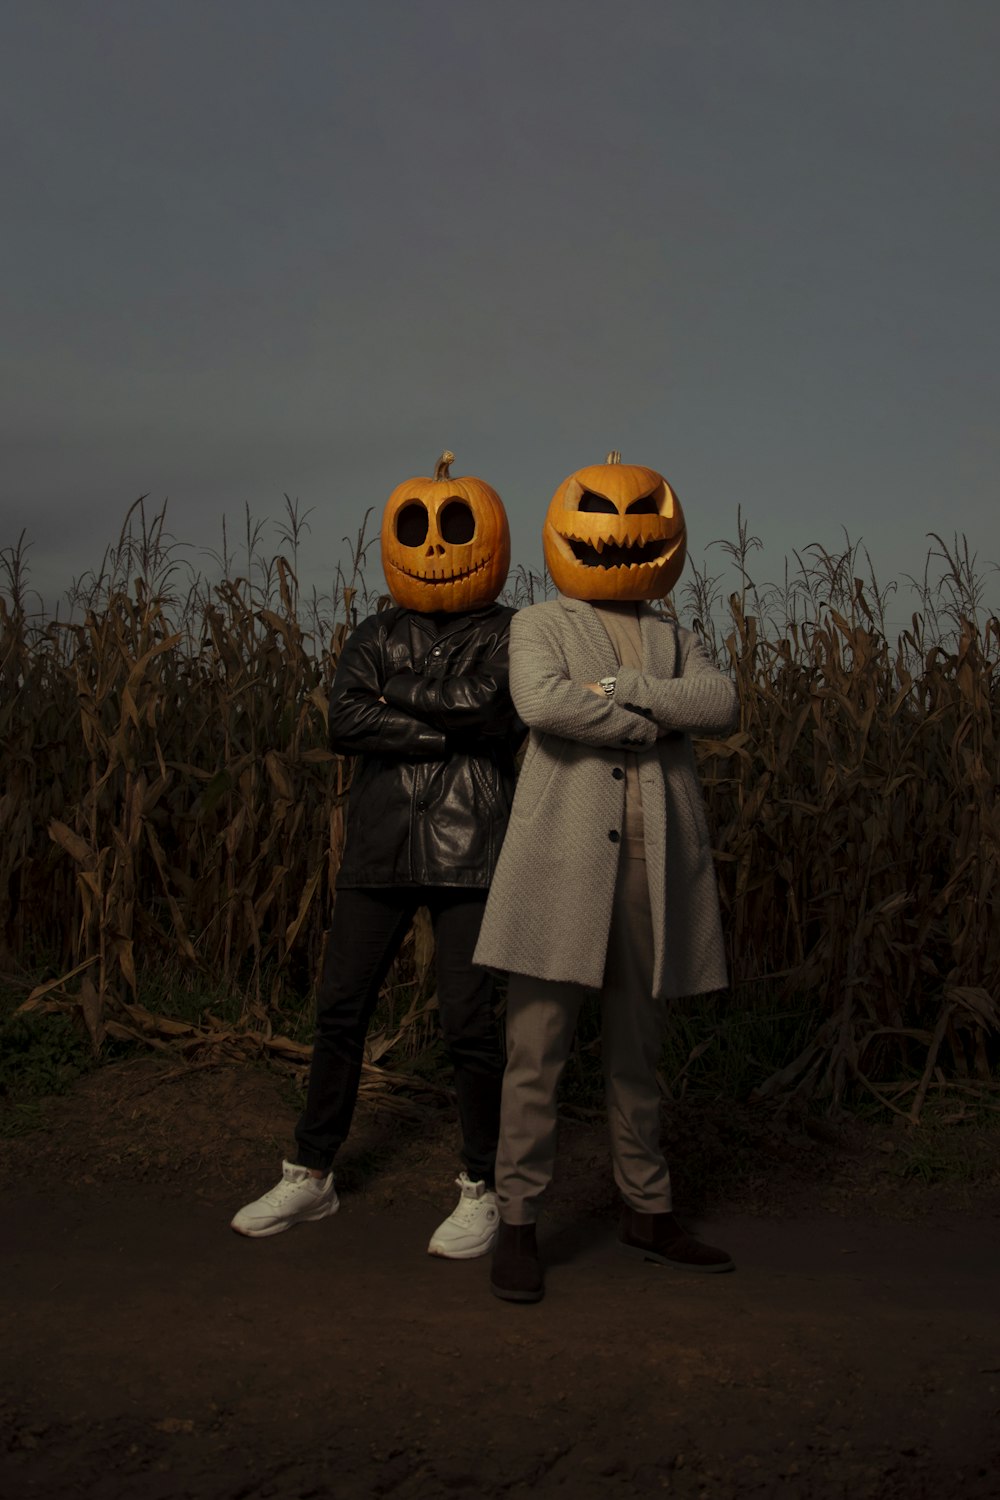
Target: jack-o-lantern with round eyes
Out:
[614,531]
[445,542]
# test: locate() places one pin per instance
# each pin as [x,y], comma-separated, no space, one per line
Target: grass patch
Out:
[188,999]
[40,1056]
[956,1142]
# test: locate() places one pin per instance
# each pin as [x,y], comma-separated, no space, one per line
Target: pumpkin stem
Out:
[441,469]
[614,457]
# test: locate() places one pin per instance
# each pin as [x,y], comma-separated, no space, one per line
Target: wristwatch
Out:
[608,684]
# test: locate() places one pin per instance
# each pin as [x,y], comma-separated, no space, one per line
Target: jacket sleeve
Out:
[700,700]
[358,722]
[464,703]
[548,700]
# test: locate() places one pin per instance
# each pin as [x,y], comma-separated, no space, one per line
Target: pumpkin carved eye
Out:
[457,522]
[646,506]
[411,524]
[597,504]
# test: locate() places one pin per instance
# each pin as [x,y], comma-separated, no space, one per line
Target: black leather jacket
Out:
[423,701]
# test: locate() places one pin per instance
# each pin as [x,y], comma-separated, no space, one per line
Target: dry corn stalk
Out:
[859,840]
[168,791]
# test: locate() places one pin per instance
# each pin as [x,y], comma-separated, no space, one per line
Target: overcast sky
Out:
[253,248]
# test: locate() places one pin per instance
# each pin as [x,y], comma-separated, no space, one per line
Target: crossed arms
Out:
[409,712]
[699,700]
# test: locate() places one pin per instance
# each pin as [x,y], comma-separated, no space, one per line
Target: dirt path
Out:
[147,1351]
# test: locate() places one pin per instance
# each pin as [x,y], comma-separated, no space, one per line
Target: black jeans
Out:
[365,936]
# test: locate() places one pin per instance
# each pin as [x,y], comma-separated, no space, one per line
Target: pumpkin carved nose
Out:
[435,549]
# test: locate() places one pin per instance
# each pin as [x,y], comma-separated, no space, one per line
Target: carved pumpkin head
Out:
[445,542]
[614,531]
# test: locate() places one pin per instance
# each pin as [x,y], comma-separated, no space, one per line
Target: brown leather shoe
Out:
[660,1237]
[516,1275]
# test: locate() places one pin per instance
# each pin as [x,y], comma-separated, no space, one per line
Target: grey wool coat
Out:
[548,913]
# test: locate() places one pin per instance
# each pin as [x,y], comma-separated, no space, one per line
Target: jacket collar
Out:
[441,625]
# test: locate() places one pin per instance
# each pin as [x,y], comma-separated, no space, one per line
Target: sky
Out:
[254,249]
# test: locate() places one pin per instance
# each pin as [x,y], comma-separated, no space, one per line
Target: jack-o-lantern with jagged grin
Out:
[614,532]
[445,542]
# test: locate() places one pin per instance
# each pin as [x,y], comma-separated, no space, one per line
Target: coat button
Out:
[614,835]
[618,773]
[421,807]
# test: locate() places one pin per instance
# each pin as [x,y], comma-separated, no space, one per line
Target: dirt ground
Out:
[147,1351]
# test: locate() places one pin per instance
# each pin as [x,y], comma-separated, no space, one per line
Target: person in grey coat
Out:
[605,882]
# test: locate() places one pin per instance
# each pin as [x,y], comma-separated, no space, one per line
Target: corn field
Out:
[169,802]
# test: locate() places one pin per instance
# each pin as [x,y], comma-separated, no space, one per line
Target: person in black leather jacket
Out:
[421,698]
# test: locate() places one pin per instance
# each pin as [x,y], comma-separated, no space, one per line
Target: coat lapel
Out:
[597,638]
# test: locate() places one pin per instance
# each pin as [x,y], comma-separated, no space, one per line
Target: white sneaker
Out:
[297,1199]
[472,1228]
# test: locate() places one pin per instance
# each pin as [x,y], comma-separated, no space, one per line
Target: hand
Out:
[595,687]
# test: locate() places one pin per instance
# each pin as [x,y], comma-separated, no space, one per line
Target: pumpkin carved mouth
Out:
[617,554]
[439,575]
